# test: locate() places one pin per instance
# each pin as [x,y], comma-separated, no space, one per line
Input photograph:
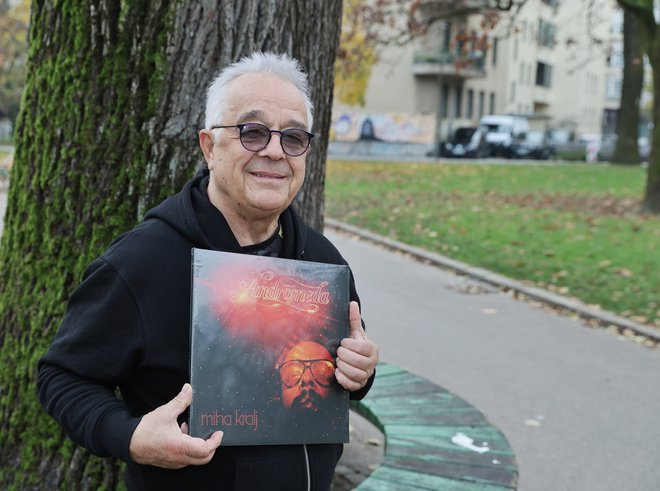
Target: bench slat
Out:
[420,420]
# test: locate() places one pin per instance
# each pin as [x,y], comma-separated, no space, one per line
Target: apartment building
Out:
[551,61]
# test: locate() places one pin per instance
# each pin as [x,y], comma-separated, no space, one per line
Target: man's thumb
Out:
[356,330]
[182,400]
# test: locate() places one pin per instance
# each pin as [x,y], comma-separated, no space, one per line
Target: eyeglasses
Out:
[255,137]
[292,371]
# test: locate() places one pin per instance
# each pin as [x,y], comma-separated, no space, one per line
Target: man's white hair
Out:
[281,65]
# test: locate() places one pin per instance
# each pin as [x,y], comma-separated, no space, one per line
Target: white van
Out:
[502,130]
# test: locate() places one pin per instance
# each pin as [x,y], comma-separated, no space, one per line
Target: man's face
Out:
[306,374]
[255,185]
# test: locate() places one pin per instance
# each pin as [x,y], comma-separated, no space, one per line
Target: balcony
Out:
[447,64]
[541,95]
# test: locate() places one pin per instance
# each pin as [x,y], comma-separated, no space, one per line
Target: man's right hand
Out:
[159,441]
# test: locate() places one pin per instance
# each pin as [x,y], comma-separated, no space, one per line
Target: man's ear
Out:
[206,143]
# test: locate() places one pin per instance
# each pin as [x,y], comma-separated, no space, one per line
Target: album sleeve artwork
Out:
[264,339]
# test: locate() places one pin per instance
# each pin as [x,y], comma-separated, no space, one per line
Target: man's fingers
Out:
[199,450]
[216,439]
[347,382]
[356,329]
[353,371]
[359,347]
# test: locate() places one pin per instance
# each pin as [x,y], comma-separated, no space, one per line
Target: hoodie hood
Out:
[192,215]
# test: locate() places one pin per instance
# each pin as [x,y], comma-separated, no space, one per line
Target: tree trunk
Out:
[108,127]
[651,202]
[649,31]
[627,150]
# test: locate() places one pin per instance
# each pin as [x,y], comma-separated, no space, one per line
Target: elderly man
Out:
[127,324]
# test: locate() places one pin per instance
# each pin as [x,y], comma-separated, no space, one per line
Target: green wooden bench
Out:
[433,439]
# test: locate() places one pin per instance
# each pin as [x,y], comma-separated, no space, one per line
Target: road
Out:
[580,406]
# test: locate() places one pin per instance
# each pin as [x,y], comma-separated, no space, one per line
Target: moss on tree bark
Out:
[108,127]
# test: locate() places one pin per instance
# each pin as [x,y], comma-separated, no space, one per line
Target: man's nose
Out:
[274,148]
[307,378]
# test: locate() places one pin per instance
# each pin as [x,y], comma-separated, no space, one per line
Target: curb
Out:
[603,317]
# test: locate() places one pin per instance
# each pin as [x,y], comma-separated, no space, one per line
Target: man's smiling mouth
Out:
[267,175]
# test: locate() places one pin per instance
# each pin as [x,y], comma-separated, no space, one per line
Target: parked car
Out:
[567,144]
[501,132]
[608,146]
[533,145]
[469,141]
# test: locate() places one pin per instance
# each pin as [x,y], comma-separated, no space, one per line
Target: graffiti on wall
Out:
[387,127]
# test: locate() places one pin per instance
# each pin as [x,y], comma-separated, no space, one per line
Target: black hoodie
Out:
[127,326]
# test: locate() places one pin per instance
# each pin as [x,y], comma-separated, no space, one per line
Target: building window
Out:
[470,103]
[512,95]
[444,101]
[613,90]
[617,21]
[615,57]
[481,103]
[515,49]
[547,33]
[491,103]
[543,75]
[521,73]
[458,93]
[551,3]
[447,36]
[610,117]
[494,52]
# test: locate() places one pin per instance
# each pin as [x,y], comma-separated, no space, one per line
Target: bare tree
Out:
[108,127]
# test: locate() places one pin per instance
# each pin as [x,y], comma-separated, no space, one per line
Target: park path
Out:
[580,406]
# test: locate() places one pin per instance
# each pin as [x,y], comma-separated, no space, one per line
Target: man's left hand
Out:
[357,356]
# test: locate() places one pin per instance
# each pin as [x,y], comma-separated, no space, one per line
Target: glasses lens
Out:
[323,371]
[295,141]
[255,137]
[291,372]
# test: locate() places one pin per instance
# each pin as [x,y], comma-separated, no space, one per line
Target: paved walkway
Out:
[580,406]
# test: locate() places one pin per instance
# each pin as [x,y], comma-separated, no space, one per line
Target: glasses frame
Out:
[282,134]
[307,364]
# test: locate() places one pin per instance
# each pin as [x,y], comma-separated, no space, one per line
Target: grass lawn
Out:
[574,229]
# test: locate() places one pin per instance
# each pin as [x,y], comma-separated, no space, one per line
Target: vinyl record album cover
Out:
[264,336]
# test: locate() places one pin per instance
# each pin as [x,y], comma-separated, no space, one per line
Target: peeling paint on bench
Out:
[433,439]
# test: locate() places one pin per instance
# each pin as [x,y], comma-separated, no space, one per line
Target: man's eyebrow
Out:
[257,115]
[251,116]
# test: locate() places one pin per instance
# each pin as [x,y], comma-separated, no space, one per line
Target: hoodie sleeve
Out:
[95,350]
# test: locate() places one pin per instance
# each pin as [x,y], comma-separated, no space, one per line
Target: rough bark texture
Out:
[649,32]
[651,201]
[108,127]
[627,150]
